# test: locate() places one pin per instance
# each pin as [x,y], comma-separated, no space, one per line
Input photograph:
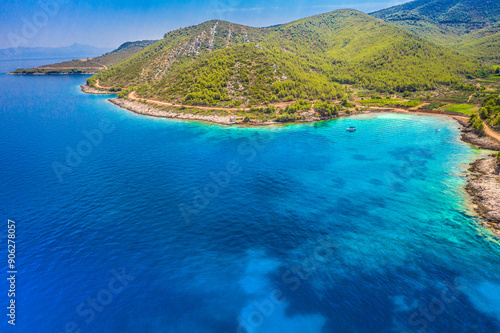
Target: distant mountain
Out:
[221,63]
[90,65]
[455,14]
[72,51]
[122,52]
[457,23]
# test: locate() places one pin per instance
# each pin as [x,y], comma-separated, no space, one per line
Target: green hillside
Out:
[91,65]
[350,47]
[220,63]
[243,74]
[469,26]
[483,44]
[186,44]
[451,15]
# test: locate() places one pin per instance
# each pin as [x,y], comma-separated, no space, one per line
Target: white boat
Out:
[351,129]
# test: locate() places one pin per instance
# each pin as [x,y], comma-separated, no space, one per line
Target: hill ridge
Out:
[209,63]
[451,23]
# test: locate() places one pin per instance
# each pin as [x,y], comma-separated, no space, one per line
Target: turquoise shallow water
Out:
[299,228]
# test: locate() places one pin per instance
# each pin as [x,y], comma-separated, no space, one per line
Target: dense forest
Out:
[353,48]
[239,74]
[469,26]
[490,112]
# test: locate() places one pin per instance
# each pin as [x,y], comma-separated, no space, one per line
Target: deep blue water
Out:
[314,230]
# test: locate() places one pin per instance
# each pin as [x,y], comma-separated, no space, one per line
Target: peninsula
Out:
[88,65]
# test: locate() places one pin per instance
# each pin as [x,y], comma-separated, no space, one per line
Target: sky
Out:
[55,23]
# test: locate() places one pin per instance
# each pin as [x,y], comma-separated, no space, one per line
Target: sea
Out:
[128,223]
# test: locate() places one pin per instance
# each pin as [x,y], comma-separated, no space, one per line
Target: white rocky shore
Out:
[483,183]
[484,187]
[91,90]
[141,108]
[482,142]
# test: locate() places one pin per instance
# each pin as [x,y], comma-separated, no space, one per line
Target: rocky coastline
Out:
[484,188]
[482,142]
[226,120]
[144,109]
[483,183]
[91,90]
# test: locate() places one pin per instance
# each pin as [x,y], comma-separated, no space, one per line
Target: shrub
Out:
[477,125]
[300,105]
[124,93]
[284,118]
[91,81]
[326,109]
[483,113]
[345,102]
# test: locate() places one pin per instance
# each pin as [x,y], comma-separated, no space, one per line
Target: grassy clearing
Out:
[467,109]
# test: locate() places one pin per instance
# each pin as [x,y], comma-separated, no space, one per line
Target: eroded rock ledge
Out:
[482,142]
[483,183]
[141,108]
[484,188]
